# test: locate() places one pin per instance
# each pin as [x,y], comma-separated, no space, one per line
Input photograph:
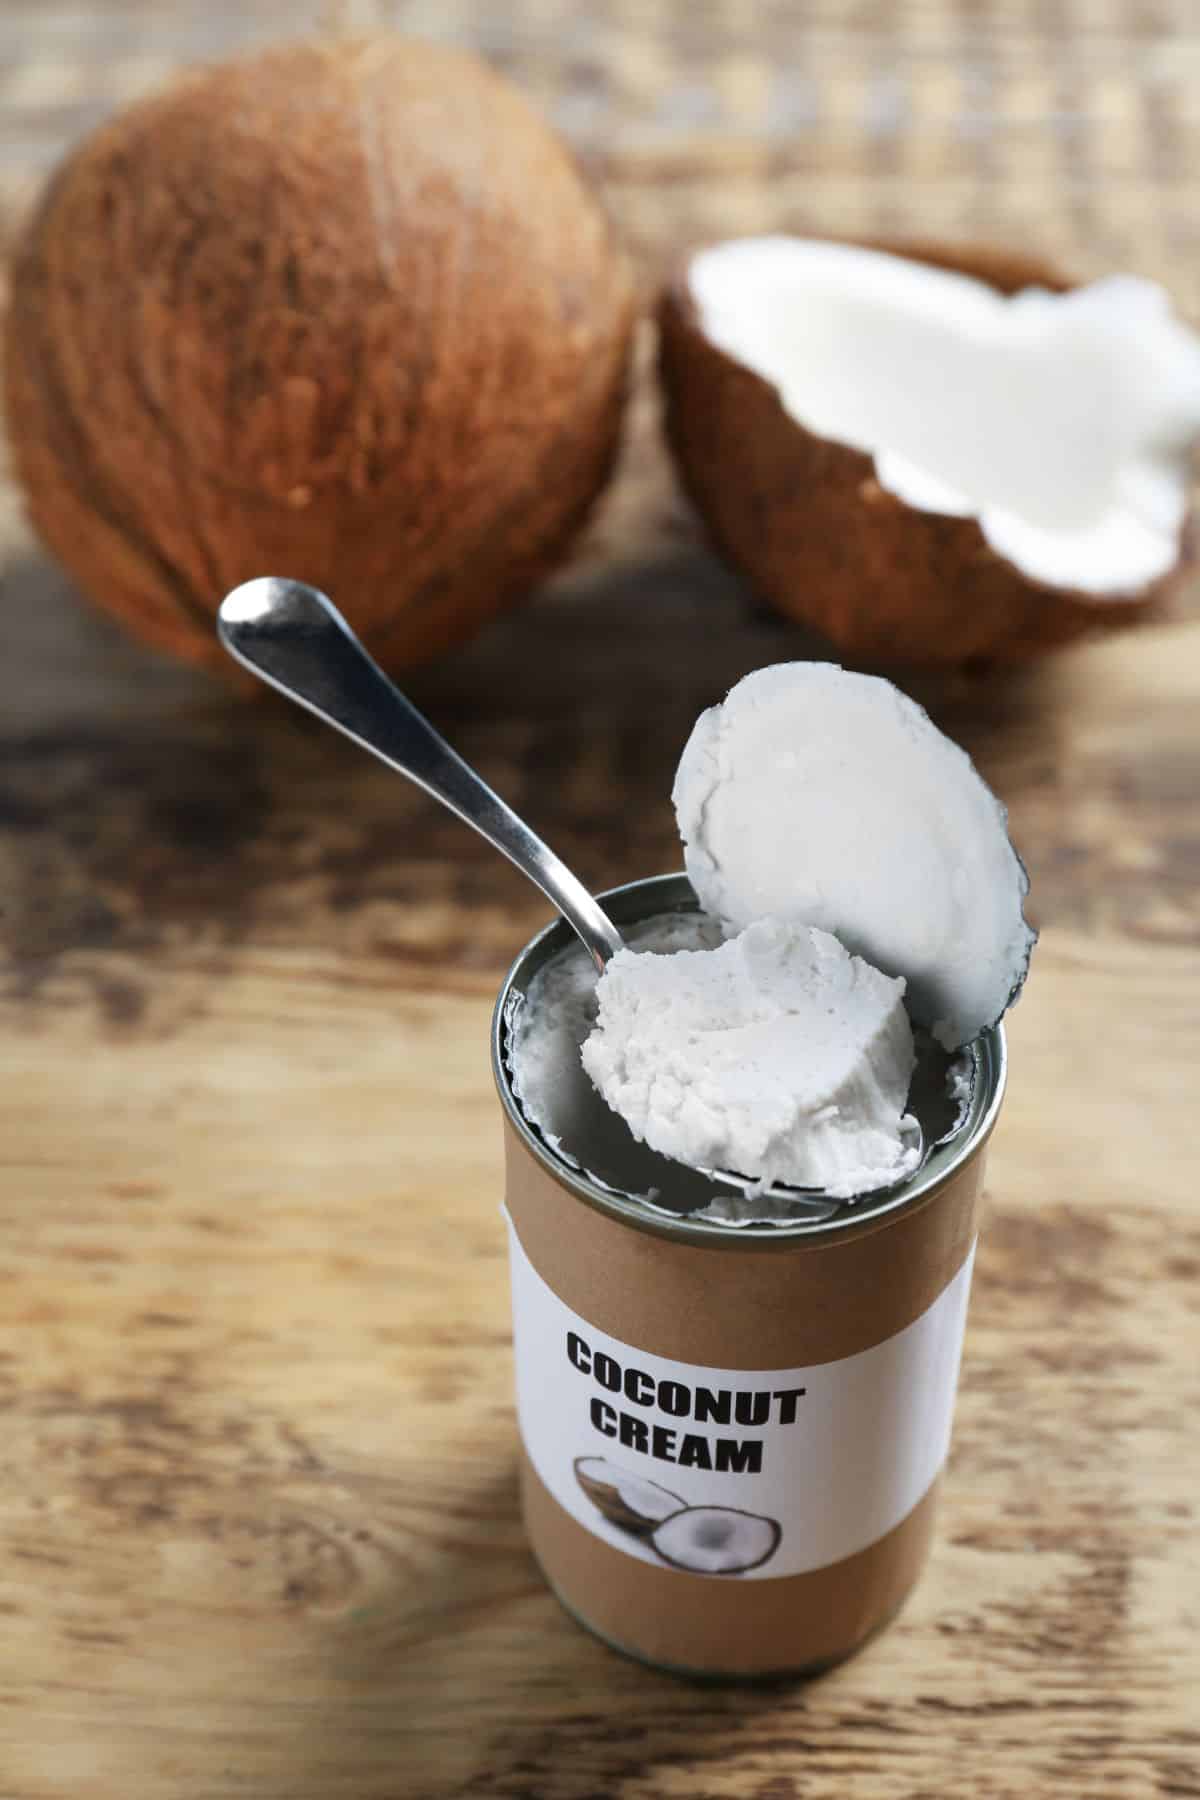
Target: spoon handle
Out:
[291,636]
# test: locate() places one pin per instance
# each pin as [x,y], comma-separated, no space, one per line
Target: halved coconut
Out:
[831,798]
[627,1500]
[716,1540]
[918,465]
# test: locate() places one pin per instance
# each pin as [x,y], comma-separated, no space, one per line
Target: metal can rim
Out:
[674,891]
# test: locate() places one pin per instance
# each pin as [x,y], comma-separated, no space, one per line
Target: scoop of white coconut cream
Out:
[832,799]
[855,873]
[778,1055]
[1062,422]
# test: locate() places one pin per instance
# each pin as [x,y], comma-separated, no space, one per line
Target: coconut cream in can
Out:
[732,1433]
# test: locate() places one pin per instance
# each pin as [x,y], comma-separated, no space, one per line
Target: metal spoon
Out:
[291,636]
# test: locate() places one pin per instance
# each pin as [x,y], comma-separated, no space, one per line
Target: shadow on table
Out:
[465,1678]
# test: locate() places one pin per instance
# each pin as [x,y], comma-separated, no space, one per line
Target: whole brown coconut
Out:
[807,522]
[345,312]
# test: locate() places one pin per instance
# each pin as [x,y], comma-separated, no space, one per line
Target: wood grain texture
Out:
[258,1514]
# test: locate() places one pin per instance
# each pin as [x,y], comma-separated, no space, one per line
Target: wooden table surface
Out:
[258,1517]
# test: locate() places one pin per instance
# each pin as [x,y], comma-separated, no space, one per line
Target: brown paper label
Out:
[762,1472]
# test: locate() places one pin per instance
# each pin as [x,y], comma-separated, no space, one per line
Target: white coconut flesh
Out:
[716,1540]
[830,798]
[645,1499]
[1062,423]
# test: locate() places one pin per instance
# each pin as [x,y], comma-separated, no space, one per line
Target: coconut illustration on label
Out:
[717,1540]
[627,1500]
[706,1540]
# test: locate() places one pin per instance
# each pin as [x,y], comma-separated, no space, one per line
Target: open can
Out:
[732,1436]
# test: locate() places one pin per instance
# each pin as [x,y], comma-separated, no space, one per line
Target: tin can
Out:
[732,1437]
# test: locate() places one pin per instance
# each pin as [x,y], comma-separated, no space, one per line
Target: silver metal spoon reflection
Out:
[292,637]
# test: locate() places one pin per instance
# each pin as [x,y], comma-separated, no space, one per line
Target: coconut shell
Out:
[807,522]
[345,312]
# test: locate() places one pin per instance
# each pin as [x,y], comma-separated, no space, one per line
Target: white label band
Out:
[753,1472]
